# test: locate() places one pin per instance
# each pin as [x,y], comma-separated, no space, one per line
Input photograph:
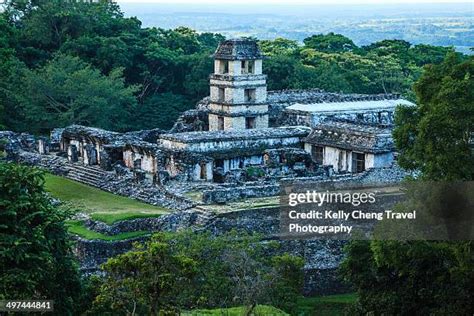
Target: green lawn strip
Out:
[92,200]
[77,228]
[262,310]
[194,195]
[245,204]
[257,206]
[330,305]
[110,218]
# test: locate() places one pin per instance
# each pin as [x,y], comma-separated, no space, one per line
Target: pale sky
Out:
[304,2]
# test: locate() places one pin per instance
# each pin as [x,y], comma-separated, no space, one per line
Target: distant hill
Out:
[444,24]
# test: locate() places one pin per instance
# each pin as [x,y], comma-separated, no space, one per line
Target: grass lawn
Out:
[77,228]
[246,204]
[194,195]
[101,205]
[260,310]
[331,305]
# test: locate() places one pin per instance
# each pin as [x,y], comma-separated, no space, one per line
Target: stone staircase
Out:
[90,175]
[105,180]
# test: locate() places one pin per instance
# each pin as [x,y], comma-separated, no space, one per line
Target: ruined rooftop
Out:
[320,96]
[246,134]
[142,138]
[371,138]
[348,106]
[238,49]
[74,131]
[149,135]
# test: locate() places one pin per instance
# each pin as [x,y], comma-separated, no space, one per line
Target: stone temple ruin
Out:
[240,137]
[241,130]
[240,142]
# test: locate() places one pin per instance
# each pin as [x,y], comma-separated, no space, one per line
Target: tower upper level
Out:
[238,57]
[238,89]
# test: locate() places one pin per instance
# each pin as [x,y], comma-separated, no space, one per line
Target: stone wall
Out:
[171,222]
[291,118]
[238,193]
[259,139]
[376,177]
[93,253]
[12,143]
[322,257]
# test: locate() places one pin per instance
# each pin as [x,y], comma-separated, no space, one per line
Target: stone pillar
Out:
[90,155]
[63,145]
[43,146]
[209,174]
[72,153]
[197,172]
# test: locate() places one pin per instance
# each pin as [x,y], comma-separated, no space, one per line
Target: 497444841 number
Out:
[26,305]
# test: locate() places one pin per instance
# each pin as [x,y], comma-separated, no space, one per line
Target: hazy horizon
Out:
[440,23]
[355,10]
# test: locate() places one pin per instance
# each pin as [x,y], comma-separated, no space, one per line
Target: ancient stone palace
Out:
[241,135]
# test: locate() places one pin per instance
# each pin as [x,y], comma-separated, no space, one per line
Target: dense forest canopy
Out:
[67,62]
[422,277]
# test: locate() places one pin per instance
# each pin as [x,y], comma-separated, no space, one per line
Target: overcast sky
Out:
[306,2]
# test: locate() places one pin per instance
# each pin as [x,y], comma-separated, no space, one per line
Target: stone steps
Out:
[105,180]
[88,169]
[82,177]
[90,175]
[86,176]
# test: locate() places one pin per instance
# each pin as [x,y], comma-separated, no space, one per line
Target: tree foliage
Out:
[35,254]
[334,63]
[67,90]
[434,137]
[279,46]
[108,52]
[330,43]
[406,278]
[196,270]
[425,277]
[145,281]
